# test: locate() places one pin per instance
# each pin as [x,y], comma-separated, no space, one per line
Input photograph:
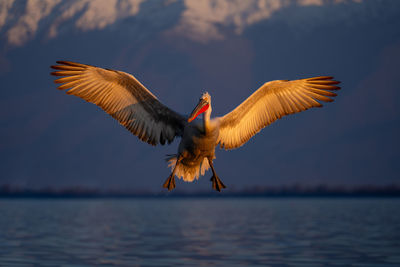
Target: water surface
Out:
[200,232]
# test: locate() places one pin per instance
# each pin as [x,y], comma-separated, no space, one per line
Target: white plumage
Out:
[270,102]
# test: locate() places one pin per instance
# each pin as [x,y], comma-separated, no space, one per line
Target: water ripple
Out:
[200,232]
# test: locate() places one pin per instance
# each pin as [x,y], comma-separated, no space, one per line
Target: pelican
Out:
[129,102]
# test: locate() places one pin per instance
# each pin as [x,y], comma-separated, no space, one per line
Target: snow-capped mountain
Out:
[20,21]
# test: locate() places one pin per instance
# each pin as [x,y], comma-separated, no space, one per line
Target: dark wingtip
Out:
[55,73]
[72,64]
[63,62]
[320,78]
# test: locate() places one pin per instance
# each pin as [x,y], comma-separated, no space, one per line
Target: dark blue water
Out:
[200,232]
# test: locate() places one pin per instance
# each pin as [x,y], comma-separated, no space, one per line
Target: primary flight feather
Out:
[137,109]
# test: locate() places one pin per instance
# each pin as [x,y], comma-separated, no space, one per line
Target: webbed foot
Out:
[170,182]
[217,184]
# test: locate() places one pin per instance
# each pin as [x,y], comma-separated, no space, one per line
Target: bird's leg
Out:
[170,182]
[217,184]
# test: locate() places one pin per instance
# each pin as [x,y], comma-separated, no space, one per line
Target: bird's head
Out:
[203,105]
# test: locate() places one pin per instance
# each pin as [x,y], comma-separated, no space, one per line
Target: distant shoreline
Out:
[7,191]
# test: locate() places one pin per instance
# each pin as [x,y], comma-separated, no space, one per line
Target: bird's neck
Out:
[206,120]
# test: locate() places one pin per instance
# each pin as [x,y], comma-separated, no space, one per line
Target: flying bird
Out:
[129,102]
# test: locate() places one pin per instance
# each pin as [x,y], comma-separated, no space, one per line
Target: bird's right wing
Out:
[270,102]
[124,98]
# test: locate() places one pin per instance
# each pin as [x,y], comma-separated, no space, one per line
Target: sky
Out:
[178,50]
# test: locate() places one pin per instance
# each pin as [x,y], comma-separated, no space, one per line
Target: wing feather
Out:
[270,102]
[124,98]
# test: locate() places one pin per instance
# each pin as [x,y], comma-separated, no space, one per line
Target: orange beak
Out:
[200,108]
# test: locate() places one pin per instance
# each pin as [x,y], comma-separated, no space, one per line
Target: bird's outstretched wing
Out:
[124,98]
[270,102]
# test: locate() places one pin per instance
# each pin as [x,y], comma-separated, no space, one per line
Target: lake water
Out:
[200,232]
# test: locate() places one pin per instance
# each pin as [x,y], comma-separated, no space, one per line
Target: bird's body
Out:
[136,108]
[197,145]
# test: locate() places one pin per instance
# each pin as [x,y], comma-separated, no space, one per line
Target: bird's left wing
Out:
[270,102]
[124,98]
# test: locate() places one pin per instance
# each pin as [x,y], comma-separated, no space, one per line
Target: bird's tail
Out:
[187,172]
